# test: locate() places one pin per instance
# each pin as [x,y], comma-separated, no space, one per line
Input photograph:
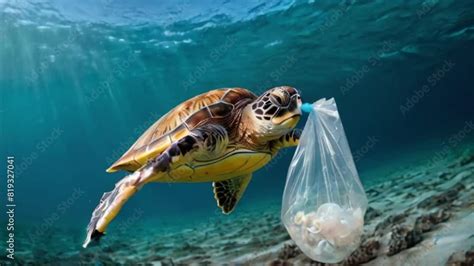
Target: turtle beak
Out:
[291,122]
[288,119]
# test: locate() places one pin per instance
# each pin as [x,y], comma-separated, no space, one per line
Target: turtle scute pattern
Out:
[202,109]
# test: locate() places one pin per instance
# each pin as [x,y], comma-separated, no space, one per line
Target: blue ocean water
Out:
[81,80]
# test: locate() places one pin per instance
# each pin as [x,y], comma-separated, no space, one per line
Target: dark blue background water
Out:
[79,82]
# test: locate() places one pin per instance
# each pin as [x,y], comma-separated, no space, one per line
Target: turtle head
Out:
[276,112]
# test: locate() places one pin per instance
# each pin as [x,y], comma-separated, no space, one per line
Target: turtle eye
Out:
[280,97]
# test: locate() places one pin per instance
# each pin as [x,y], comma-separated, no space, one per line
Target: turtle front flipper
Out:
[228,192]
[204,139]
[290,139]
[111,203]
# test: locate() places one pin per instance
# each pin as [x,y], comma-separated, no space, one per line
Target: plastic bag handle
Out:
[307,107]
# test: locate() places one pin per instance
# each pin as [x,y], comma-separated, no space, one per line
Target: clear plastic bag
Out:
[324,202]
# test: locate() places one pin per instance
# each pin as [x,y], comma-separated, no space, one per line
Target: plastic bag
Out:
[324,202]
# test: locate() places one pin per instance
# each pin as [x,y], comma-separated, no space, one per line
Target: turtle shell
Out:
[177,123]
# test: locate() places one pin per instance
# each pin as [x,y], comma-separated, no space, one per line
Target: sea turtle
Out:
[221,136]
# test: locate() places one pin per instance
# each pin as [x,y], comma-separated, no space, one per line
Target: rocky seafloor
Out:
[421,215]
